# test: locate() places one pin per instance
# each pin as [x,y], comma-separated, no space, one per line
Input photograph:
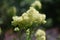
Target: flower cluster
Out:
[29,18]
[36,4]
[40,35]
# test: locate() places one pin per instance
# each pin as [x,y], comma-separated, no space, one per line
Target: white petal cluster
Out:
[36,3]
[16,29]
[29,18]
[35,16]
[40,35]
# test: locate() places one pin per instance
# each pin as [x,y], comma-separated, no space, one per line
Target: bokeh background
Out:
[10,8]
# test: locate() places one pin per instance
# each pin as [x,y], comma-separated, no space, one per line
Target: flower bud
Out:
[40,35]
[36,4]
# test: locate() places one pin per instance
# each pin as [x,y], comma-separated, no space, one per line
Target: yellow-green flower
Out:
[16,29]
[29,17]
[40,35]
[36,3]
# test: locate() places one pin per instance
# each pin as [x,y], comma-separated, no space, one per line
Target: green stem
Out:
[28,34]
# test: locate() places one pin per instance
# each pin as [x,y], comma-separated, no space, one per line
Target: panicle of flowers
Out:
[35,16]
[28,18]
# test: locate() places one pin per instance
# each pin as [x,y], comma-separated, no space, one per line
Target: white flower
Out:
[29,17]
[43,16]
[32,13]
[25,16]
[44,21]
[32,10]
[43,37]
[15,18]
[39,32]
[40,35]
[20,19]
[16,29]
[36,3]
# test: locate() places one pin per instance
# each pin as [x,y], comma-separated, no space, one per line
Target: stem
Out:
[28,34]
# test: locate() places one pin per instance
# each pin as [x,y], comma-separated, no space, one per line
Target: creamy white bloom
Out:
[33,13]
[29,17]
[39,32]
[43,16]
[40,35]
[44,22]
[15,18]
[25,16]
[32,10]
[43,37]
[36,3]
[16,29]
[20,19]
